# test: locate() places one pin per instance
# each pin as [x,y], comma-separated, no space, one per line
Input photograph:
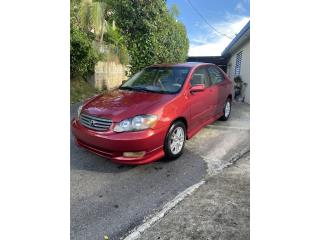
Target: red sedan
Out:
[152,114]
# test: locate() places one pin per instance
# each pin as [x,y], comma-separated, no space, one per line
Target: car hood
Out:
[122,104]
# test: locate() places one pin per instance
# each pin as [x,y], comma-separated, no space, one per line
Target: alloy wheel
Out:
[227,109]
[177,140]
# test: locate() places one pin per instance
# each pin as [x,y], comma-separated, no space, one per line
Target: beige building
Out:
[238,55]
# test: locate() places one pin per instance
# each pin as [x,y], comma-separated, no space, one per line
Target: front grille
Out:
[95,123]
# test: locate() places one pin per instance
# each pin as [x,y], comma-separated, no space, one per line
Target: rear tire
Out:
[226,110]
[175,140]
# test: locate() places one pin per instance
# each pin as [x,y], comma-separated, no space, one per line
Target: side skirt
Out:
[193,132]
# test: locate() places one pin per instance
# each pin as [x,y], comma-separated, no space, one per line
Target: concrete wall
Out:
[108,75]
[245,67]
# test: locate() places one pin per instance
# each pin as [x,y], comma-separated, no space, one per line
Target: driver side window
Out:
[200,76]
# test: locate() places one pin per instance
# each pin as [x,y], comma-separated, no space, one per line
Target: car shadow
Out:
[82,159]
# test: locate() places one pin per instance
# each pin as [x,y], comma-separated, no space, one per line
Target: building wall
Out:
[108,75]
[245,67]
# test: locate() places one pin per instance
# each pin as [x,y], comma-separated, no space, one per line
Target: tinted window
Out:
[215,75]
[200,76]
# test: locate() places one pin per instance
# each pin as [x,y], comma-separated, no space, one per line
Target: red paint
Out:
[198,106]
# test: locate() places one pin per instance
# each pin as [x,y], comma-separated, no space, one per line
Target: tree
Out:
[172,43]
[82,54]
[152,33]
[93,17]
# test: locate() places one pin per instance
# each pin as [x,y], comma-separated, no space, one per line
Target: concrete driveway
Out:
[110,199]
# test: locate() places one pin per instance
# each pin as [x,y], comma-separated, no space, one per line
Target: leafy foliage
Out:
[98,17]
[82,55]
[116,43]
[84,13]
[113,36]
[91,15]
[152,33]
[172,43]
[237,79]
[146,31]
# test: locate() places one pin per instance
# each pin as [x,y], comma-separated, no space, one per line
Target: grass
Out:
[81,90]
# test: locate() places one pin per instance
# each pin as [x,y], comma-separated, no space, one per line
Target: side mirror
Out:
[197,88]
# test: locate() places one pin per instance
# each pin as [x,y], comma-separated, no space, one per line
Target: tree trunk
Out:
[102,31]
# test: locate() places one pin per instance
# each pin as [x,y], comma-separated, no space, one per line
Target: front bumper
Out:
[112,145]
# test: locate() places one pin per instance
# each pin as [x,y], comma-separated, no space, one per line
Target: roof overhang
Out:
[242,37]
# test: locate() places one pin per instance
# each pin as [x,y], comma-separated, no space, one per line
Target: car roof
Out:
[186,64]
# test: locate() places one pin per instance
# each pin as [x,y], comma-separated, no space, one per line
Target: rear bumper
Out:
[112,145]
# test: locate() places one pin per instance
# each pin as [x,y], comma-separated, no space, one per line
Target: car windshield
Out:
[158,79]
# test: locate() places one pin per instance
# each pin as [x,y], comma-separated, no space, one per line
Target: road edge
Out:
[149,221]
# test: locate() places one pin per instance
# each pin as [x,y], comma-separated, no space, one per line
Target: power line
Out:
[196,10]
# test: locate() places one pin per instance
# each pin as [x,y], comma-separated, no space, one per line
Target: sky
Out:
[227,16]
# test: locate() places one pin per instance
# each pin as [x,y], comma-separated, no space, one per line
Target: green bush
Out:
[124,55]
[113,36]
[116,45]
[147,33]
[151,32]
[83,56]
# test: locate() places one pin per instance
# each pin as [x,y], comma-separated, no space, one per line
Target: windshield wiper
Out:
[134,88]
[126,88]
[142,89]
[150,90]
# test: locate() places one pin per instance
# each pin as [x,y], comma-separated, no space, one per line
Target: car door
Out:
[200,102]
[219,88]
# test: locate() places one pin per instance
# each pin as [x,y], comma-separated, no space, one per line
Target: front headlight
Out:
[79,111]
[137,123]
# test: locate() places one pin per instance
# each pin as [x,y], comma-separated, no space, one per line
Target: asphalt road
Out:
[111,199]
[222,209]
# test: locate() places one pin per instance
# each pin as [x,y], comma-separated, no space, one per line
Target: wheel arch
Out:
[185,122]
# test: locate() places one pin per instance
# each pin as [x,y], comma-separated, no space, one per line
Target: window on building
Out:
[238,64]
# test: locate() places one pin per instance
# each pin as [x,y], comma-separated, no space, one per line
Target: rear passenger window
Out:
[200,76]
[215,75]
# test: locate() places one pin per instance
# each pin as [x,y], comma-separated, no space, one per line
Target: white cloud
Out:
[209,49]
[212,44]
[240,8]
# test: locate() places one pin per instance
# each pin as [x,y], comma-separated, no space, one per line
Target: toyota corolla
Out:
[152,114]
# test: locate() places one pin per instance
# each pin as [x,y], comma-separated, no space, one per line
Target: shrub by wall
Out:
[82,54]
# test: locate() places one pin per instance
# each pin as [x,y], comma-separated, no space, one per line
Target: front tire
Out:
[175,140]
[226,110]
